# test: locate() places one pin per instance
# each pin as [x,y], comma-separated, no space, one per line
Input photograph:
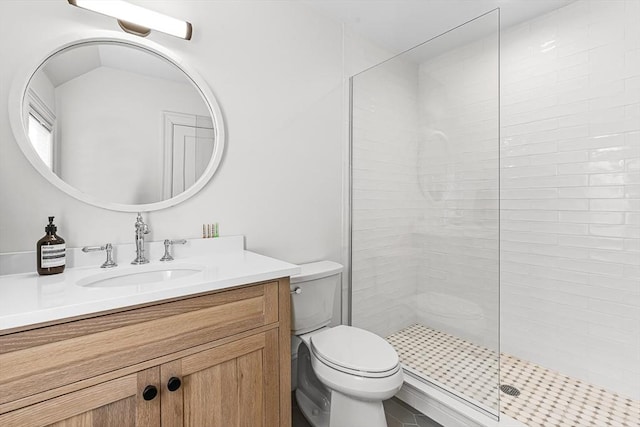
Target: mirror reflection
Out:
[119,123]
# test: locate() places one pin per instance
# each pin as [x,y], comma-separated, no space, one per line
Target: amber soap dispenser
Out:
[51,251]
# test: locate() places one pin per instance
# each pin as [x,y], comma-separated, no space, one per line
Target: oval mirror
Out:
[121,125]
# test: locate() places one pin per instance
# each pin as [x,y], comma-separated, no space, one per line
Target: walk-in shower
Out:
[495,213]
[425,152]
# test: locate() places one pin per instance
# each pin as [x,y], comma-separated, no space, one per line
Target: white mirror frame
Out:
[19,92]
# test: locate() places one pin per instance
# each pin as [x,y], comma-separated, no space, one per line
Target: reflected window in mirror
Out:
[41,135]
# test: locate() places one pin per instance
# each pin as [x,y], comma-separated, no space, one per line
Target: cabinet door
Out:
[118,402]
[234,385]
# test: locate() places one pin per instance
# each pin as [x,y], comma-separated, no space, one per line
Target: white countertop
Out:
[28,299]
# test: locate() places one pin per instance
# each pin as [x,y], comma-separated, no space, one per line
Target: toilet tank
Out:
[312,304]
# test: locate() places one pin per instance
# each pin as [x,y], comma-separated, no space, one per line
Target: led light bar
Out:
[136,19]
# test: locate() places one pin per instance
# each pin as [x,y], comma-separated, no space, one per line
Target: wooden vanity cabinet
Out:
[117,402]
[232,385]
[237,375]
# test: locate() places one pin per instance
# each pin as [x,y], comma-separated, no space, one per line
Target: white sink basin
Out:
[139,276]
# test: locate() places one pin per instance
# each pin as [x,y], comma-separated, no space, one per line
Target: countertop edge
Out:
[19,322]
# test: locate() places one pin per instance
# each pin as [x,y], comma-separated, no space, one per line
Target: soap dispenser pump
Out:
[51,251]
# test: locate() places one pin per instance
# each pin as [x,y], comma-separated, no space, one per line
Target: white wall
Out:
[276,70]
[570,240]
[43,88]
[111,131]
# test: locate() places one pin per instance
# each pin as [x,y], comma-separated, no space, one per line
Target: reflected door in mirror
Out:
[189,144]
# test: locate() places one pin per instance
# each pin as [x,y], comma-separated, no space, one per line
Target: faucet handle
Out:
[107,247]
[167,244]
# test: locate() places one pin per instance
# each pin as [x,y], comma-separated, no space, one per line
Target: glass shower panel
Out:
[425,208]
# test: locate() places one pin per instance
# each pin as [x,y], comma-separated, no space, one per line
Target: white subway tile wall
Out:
[385,197]
[458,165]
[570,236]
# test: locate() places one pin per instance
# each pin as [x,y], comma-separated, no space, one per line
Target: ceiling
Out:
[399,25]
[75,62]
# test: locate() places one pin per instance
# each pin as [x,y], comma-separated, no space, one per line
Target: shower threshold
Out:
[547,398]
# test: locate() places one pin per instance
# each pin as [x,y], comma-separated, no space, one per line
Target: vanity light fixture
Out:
[135,19]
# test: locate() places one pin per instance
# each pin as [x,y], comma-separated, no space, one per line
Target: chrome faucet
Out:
[141,230]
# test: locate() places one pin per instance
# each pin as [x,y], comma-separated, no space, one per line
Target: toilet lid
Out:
[355,349]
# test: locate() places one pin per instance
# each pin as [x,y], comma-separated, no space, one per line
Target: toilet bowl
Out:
[343,373]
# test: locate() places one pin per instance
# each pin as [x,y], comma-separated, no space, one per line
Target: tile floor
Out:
[467,368]
[547,398]
[399,414]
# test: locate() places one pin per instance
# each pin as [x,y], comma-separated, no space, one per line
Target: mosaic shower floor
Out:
[547,398]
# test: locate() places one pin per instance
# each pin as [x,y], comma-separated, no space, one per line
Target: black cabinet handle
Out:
[149,392]
[174,383]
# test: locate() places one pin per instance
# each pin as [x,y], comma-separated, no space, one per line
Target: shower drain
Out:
[510,390]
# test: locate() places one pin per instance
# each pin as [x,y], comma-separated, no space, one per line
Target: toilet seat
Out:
[348,371]
[355,385]
[355,351]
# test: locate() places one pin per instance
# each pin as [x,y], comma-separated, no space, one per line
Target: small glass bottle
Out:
[51,251]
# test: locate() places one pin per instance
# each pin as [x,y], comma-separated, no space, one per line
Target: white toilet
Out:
[343,373]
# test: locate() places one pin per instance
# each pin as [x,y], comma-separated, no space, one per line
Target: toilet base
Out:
[349,412]
[345,412]
[312,412]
